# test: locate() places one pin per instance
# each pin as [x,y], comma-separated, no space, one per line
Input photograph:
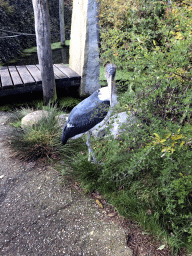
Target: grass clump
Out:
[38,140]
[54,46]
[42,140]
[68,103]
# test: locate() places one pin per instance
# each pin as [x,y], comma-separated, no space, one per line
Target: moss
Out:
[54,46]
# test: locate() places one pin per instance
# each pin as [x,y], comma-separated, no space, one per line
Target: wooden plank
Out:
[59,73]
[35,72]
[21,90]
[68,71]
[25,75]
[15,76]
[6,81]
[56,77]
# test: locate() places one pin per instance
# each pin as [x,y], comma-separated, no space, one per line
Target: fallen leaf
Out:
[112,214]
[99,204]
[76,186]
[161,247]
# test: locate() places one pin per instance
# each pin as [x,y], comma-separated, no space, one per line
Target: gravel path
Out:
[40,215]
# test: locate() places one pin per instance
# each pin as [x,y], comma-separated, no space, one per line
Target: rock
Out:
[33,118]
[62,119]
[114,123]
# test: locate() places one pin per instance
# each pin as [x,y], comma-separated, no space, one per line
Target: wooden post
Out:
[62,22]
[43,39]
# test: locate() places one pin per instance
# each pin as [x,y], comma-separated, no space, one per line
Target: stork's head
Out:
[110,71]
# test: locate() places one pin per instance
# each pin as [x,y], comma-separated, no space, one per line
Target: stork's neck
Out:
[112,92]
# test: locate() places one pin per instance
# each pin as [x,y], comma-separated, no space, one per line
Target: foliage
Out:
[54,46]
[153,42]
[4,4]
[145,179]
[149,168]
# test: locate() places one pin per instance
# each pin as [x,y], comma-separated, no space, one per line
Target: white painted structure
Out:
[84,49]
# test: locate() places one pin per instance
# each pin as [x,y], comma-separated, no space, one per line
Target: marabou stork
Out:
[91,111]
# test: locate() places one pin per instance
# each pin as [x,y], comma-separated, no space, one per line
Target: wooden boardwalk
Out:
[16,79]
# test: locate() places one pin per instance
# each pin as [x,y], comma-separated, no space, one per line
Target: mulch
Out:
[145,244]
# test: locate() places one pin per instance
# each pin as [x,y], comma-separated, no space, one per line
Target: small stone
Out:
[33,118]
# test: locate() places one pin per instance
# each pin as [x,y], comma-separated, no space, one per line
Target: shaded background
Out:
[17,15]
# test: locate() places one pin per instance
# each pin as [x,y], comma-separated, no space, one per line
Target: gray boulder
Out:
[33,118]
[62,119]
[114,125]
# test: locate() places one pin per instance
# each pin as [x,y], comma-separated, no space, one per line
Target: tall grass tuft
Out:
[43,139]
[36,141]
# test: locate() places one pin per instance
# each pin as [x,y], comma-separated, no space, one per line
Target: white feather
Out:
[70,125]
[104,93]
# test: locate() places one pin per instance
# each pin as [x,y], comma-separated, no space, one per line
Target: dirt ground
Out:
[41,215]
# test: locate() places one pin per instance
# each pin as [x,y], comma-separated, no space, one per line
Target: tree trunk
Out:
[43,39]
[62,22]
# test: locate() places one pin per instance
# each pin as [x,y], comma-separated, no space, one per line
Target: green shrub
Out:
[147,177]
[147,171]
[5,5]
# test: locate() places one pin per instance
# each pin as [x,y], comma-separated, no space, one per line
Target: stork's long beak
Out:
[110,71]
[111,83]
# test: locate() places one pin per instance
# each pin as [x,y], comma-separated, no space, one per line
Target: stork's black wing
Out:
[85,116]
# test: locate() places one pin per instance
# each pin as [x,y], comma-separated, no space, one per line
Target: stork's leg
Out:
[90,149]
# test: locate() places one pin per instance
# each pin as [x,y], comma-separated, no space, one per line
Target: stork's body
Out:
[91,111]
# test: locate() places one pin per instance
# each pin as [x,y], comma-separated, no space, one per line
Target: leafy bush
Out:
[152,41]
[147,178]
[147,172]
